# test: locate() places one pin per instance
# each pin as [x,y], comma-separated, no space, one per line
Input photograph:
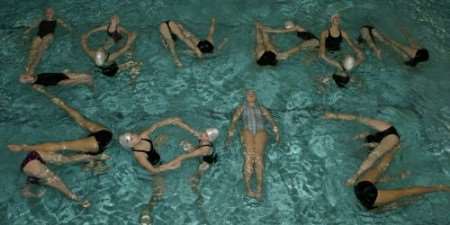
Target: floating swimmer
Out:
[43,39]
[171,31]
[53,79]
[385,142]
[331,39]
[254,137]
[412,53]
[89,149]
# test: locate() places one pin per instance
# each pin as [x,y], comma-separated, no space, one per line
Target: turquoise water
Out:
[305,174]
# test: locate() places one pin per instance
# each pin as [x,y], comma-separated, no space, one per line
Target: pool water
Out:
[304,175]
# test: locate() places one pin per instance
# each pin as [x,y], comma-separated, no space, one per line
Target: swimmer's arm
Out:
[33,26]
[322,52]
[142,160]
[84,45]
[166,122]
[212,29]
[130,40]
[180,123]
[282,30]
[61,22]
[373,123]
[122,30]
[98,29]
[269,118]
[199,152]
[359,54]
[236,115]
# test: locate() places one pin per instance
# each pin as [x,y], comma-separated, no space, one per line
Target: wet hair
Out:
[421,56]
[268,58]
[205,46]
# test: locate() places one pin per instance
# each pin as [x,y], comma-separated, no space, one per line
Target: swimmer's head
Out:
[49,13]
[289,24]
[335,20]
[421,56]
[27,78]
[250,95]
[210,134]
[128,140]
[348,63]
[100,57]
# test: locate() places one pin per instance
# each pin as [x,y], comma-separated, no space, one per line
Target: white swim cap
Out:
[289,24]
[125,140]
[212,133]
[348,63]
[100,57]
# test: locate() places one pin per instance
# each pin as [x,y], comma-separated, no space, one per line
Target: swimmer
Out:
[385,143]
[46,29]
[94,144]
[265,51]
[106,61]
[147,155]
[171,31]
[331,39]
[53,79]
[342,78]
[254,137]
[113,30]
[412,53]
[309,39]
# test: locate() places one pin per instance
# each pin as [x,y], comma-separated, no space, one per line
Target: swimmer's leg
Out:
[158,191]
[166,37]
[249,161]
[260,144]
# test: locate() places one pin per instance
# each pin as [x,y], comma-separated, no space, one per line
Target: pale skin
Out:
[83,145]
[112,56]
[309,44]
[374,173]
[112,26]
[405,51]
[263,44]
[74,79]
[388,144]
[176,28]
[39,45]
[254,146]
[334,30]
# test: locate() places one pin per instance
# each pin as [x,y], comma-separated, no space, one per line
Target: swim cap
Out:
[212,133]
[348,63]
[100,57]
[125,140]
[205,46]
[289,24]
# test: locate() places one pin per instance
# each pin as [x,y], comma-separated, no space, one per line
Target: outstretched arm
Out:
[61,22]
[375,124]
[142,160]
[199,152]
[33,25]
[176,121]
[236,115]
[269,118]
[84,45]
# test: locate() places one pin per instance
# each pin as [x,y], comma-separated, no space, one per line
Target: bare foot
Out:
[252,194]
[85,204]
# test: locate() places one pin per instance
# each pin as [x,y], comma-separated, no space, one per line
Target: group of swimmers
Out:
[90,149]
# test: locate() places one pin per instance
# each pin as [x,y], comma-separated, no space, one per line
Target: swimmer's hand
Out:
[38,88]
[174,164]
[16,148]
[329,116]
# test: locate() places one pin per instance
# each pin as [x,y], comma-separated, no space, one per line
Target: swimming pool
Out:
[305,174]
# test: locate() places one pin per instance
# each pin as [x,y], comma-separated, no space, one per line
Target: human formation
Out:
[253,115]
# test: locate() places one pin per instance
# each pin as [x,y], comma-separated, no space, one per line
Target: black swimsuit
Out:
[370,28]
[367,193]
[115,35]
[267,58]
[305,35]
[333,43]
[174,37]
[341,80]
[379,136]
[50,79]
[109,70]
[46,27]
[31,157]
[153,156]
[211,158]
[103,138]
